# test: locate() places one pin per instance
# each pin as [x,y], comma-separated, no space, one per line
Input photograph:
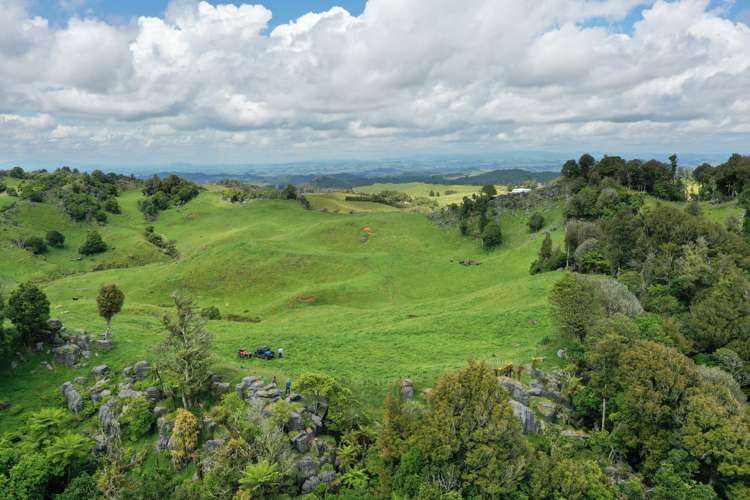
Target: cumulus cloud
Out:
[405,75]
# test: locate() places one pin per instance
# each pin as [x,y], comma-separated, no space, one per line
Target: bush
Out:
[82,487]
[28,309]
[35,245]
[536,222]
[211,312]
[55,239]
[112,206]
[492,236]
[3,187]
[138,419]
[12,191]
[94,244]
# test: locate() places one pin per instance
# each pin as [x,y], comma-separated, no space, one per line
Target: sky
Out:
[148,82]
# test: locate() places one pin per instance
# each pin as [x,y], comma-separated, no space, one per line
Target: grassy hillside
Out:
[421,189]
[368,298]
[336,202]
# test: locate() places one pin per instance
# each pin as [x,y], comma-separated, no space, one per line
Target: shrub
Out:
[112,206]
[211,312]
[138,419]
[12,191]
[492,236]
[94,244]
[35,245]
[28,309]
[184,439]
[82,487]
[3,187]
[55,239]
[536,222]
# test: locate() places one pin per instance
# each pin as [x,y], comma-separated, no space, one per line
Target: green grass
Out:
[336,202]
[421,189]
[717,212]
[368,298]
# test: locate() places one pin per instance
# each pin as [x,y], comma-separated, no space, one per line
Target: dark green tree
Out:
[94,244]
[586,162]
[536,222]
[489,190]
[28,309]
[492,236]
[722,314]
[109,302]
[470,428]
[621,235]
[35,245]
[574,307]
[55,239]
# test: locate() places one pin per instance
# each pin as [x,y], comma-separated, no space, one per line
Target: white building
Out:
[520,191]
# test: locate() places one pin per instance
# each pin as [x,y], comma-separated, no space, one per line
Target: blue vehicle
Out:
[264,352]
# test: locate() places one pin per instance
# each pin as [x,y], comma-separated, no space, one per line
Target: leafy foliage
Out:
[94,244]
[186,350]
[28,309]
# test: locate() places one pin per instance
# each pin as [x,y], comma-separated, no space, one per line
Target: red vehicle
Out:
[244,354]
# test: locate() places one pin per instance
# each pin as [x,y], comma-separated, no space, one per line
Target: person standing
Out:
[288,387]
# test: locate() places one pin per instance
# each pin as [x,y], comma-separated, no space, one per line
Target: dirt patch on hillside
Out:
[307,299]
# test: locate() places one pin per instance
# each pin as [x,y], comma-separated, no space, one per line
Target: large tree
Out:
[109,302]
[655,381]
[575,306]
[722,314]
[186,351]
[28,309]
[470,430]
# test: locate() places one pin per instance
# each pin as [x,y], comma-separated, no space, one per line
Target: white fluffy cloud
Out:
[211,83]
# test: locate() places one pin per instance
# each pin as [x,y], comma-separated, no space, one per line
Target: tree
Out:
[399,424]
[536,222]
[184,439]
[571,170]
[655,381]
[28,309]
[289,192]
[109,302]
[94,244]
[492,236]
[574,307]
[545,251]
[55,239]
[621,234]
[186,350]
[673,166]
[489,190]
[586,162]
[35,245]
[326,392]
[470,431]
[722,314]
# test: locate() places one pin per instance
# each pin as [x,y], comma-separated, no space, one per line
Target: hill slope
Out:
[368,298]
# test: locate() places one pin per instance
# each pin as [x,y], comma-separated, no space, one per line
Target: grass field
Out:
[368,298]
[422,190]
[336,202]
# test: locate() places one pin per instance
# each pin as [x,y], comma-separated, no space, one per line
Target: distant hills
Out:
[349,180]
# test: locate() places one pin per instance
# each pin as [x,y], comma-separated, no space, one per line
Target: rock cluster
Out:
[538,403]
[72,397]
[69,349]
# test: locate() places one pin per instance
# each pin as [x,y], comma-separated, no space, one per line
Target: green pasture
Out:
[369,297]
